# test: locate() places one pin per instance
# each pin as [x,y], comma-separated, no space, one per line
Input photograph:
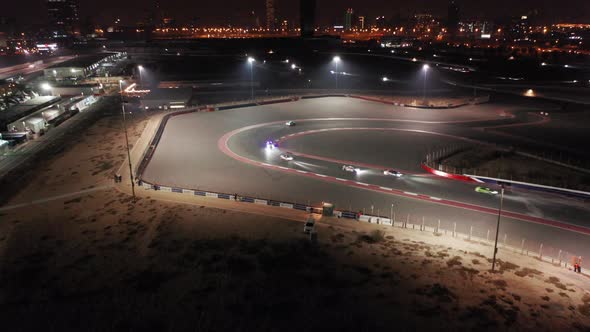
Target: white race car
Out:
[392,172]
[349,168]
[290,123]
[287,156]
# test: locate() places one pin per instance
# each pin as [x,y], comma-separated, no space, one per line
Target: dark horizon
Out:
[328,11]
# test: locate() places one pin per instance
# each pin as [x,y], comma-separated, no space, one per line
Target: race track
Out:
[224,152]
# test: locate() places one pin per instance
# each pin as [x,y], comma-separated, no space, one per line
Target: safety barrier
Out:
[393,102]
[447,175]
[245,199]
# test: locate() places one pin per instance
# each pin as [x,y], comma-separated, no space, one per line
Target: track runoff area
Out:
[227,151]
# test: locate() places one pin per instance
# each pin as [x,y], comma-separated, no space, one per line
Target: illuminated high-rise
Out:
[307,17]
[348,19]
[452,18]
[63,17]
[270,15]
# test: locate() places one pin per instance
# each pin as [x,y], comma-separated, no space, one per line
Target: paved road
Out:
[188,156]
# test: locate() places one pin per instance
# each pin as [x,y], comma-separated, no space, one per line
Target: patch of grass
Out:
[375,236]
[438,292]
[455,261]
[500,283]
[555,282]
[525,271]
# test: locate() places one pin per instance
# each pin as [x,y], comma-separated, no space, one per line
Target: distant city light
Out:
[250,59]
[425,67]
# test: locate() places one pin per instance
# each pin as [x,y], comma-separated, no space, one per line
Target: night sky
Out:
[329,11]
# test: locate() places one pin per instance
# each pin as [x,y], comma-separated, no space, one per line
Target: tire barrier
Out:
[245,199]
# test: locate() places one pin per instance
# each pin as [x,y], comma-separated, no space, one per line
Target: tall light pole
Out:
[251,61]
[391,214]
[127,139]
[425,69]
[139,68]
[336,61]
[498,229]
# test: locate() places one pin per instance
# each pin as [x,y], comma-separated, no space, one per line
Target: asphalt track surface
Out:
[224,152]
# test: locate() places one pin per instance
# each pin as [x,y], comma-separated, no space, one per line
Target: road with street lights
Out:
[225,152]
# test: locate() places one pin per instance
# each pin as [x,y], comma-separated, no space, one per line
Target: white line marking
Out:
[322,175]
[435,198]
[265,164]
[339,179]
[385,188]
[281,167]
[363,184]
[304,172]
[409,193]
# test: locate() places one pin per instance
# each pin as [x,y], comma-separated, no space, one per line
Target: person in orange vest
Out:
[576,262]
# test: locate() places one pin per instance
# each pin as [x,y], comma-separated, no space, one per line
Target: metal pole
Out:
[498,229]
[391,213]
[425,73]
[128,152]
[251,82]
[336,73]
[127,140]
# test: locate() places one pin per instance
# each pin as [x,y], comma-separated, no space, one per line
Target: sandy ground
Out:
[99,261]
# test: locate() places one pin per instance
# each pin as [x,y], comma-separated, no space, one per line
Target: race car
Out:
[392,172]
[349,168]
[290,123]
[485,190]
[271,144]
[287,156]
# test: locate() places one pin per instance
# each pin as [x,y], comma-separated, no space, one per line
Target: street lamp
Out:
[336,61]
[498,229]
[425,68]
[140,68]
[127,138]
[385,79]
[391,214]
[251,61]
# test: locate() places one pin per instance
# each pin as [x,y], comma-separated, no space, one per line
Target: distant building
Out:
[63,17]
[452,18]
[348,19]
[162,98]
[361,22]
[80,67]
[307,16]
[270,15]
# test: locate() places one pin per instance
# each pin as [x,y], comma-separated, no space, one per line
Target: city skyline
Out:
[328,11]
